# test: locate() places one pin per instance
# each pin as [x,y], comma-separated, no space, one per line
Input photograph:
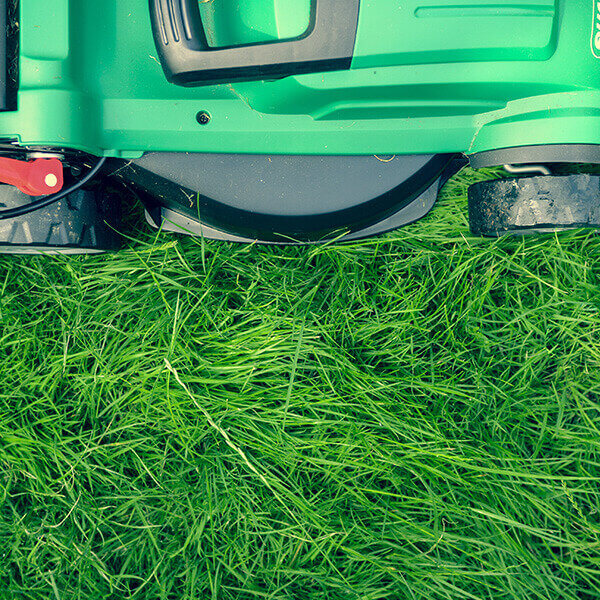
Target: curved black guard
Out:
[534,204]
[168,188]
[187,59]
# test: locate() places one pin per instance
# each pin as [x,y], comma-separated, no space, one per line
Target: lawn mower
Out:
[292,121]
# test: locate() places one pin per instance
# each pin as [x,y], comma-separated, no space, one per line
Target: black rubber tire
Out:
[85,222]
[534,204]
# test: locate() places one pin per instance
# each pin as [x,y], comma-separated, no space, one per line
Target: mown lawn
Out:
[414,417]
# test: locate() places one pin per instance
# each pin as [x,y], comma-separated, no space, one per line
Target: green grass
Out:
[414,417]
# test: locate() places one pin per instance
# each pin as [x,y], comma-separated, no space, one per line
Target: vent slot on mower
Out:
[9,59]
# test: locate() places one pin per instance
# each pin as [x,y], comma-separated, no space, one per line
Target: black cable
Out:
[11,213]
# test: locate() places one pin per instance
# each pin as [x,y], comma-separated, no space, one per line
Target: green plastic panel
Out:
[426,78]
[433,31]
[231,22]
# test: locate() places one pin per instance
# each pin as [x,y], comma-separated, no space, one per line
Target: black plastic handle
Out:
[188,60]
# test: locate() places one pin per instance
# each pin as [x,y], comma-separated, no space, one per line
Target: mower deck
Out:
[424,80]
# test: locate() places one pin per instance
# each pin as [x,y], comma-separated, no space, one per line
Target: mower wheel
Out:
[534,204]
[85,222]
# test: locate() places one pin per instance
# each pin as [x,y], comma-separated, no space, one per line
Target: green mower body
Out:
[499,82]
[426,77]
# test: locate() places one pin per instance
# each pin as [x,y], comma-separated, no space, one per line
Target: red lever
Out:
[38,177]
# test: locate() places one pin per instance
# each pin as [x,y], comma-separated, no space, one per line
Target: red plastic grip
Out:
[39,177]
